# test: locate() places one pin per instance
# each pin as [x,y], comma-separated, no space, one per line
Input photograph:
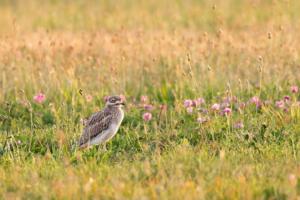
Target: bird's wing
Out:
[96,117]
[95,125]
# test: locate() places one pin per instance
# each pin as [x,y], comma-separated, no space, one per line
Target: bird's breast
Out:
[114,126]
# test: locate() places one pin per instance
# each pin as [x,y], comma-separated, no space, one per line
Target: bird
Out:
[102,126]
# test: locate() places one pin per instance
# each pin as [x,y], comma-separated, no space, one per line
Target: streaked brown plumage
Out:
[103,125]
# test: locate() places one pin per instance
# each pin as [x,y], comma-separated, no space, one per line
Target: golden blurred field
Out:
[57,42]
[169,51]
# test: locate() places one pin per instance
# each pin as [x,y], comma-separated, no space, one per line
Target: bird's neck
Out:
[114,108]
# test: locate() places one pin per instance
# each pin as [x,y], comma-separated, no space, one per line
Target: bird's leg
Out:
[104,147]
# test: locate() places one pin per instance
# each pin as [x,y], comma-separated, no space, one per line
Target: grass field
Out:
[219,77]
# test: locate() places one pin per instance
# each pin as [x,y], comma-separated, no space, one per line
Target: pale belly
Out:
[106,135]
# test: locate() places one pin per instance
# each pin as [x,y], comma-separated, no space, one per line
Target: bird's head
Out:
[115,101]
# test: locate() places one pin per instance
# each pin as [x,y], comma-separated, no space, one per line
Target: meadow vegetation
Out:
[218,81]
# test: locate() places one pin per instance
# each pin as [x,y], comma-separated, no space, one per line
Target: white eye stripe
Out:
[114,100]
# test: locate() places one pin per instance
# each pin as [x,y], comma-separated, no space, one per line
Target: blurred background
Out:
[116,44]
[94,15]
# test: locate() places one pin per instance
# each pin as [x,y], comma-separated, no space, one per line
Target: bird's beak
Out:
[121,103]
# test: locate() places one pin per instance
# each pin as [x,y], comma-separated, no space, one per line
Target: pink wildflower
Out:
[188,103]
[147,116]
[123,98]
[198,102]
[189,110]
[294,89]
[286,98]
[39,98]
[227,111]
[280,104]
[88,98]
[255,100]
[144,99]
[215,107]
